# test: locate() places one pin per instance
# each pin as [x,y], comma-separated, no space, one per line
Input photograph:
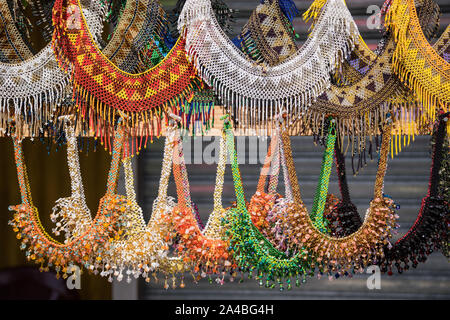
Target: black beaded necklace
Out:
[430,228]
[343,219]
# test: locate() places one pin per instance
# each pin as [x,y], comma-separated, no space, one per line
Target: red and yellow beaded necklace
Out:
[101,89]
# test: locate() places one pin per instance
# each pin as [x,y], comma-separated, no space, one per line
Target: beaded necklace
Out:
[265,207]
[355,251]
[82,249]
[101,89]
[362,56]
[430,227]
[204,246]
[361,105]
[146,248]
[142,248]
[415,61]
[12,46]
[268,36]
[269,211]
[31,89]
[251,250]
[342,216]
[375,85]
[127,48]
[255,93]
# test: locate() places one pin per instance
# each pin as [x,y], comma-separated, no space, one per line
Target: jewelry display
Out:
[41,248]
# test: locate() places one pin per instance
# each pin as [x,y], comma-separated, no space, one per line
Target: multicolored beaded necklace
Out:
[145,248]
[269,211]
[101,89]
[82,249]
[375,86]
[341,256]
[252,251]
[141,249]
[368,80]
[205,247]
[266,208]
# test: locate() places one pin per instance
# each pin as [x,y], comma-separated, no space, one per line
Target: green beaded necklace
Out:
[252,251]
[324,180]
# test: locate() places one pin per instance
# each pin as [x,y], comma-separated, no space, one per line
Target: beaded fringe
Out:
[32,112]
[398,20]
[99,118]
[253,114]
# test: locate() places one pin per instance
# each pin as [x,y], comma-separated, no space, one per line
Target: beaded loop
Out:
[355,251]
[80,249]
[430,227]
[206,248]
[252,251]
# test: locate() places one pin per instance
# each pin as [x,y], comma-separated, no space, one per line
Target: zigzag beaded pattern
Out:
[96,77]
[12,46]
[415,61]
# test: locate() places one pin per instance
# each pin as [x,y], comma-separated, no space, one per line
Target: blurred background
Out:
[406,182]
